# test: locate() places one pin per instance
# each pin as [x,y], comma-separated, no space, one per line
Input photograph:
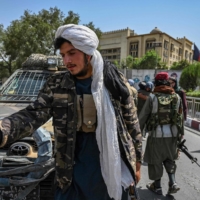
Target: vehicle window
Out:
[24,83]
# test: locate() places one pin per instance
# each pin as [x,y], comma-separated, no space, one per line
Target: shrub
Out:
[190,77]
[193,94]
[182,64]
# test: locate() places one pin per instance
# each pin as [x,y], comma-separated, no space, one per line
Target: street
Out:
[187,174]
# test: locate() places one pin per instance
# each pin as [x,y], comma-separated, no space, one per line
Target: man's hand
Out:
[138,174]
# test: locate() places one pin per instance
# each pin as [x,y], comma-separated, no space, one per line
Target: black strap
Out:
[114,83]
[1,136]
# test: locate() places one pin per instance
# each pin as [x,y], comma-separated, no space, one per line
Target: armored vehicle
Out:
[27,165]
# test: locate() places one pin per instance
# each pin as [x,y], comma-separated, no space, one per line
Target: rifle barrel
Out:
[184,149]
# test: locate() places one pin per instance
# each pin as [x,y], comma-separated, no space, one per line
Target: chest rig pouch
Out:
[87,114]
[167,112]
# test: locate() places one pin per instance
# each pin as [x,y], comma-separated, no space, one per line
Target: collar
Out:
[164,89]
[67,81]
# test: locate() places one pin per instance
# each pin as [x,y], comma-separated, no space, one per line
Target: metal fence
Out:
[193,107]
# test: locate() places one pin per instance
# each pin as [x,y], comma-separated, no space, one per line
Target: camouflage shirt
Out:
[58,99]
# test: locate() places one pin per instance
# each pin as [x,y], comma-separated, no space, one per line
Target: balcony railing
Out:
[193,110]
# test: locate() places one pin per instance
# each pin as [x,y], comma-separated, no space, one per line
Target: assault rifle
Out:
[184,149]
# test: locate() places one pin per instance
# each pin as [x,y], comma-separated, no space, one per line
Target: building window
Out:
[190,56]
[172,48]
[134,53]
[149,44]
[134,49]
[134,46]
[166,45]
[165,54]
[186,54]
[180,51]
[111,54]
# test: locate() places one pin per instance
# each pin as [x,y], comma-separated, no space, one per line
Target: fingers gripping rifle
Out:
[184,149]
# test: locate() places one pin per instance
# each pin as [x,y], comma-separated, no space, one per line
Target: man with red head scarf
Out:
[163,117]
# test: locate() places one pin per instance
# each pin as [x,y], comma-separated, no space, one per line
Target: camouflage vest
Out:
[167,112]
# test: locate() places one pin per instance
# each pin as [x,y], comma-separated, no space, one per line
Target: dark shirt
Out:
[83,86]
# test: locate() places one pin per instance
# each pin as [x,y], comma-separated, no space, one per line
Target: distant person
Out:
[147,78]
[174,84]
[143,94]
[174,74]
[162,115]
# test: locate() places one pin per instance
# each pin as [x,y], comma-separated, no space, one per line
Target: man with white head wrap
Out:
[98,139]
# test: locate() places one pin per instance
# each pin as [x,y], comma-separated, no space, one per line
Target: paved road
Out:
[187,175]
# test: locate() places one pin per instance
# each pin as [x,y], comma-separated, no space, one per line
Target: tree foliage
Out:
[127,62]
[33,33]
[182,64]
[190,77]
[149,61]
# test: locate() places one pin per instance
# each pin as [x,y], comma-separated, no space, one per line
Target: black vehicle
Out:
[27,165]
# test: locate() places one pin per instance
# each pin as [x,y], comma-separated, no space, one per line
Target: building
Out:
[117,45]
[113,44]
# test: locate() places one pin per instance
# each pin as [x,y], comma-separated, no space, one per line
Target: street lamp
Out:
[156,44]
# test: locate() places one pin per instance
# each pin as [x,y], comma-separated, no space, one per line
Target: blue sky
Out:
[177,18]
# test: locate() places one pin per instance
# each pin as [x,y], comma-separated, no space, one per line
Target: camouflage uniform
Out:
[58,99]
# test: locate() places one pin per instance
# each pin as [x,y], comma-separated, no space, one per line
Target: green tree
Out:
[127,62]
[182,64]
[117,64]
[96,30]
[33,33]
[149,61]
[190,77]
[136,63]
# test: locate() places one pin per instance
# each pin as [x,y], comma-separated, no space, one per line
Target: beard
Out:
[84,71]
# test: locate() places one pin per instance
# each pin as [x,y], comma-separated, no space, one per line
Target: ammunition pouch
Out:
[87,114]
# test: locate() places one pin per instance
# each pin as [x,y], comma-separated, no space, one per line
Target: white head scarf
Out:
[114,171]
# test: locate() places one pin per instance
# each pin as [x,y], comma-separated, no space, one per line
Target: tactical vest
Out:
[87,114]
[167,112]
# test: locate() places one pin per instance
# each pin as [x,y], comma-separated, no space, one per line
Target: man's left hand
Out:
[138,174]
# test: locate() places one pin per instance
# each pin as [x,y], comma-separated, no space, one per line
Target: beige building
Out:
[117,45]
[113,44]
